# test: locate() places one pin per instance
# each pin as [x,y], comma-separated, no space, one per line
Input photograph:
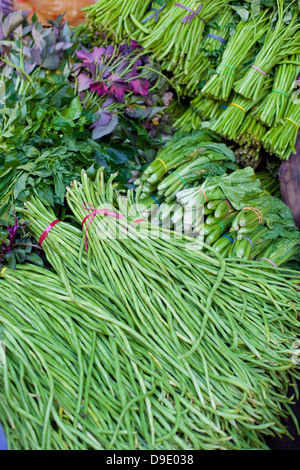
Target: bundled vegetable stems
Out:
[219,86]
[212,45]
[116,19]
[249,139]
[188,121]
[281,40]
[151,376]
[273,107]
[231,119]
[179,149]
[280,140]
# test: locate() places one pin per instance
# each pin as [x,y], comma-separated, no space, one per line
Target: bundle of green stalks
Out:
[151,376]
[235,207]
[213,44]
[188,121]
[281,40]
[274,105]
[281,139]
[231,119]
[249,139]
[207,108]
[181,148]
[175,40]
[115,19]
[220,85]
[214,158]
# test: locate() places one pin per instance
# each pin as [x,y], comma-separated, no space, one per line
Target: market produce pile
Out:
[244,70]
[149,267]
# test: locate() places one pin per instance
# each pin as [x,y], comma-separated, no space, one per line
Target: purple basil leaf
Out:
[6,6]
[108,102]
[99,87]
[62,46]
[51,62]
[38,38]
[104,118]
[84,82]
[82,55]
[36,55]
[110,50]
[100,131]
[140,86]
[97,53]
[28,67]
[135,45]
[12,21]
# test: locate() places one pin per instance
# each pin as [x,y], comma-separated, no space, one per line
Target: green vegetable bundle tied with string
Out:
[274,105]
[281,40]
[169,344]
[281,139]
[220,85]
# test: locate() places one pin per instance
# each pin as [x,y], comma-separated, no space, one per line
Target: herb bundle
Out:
[273,107]
[150,352]
[281,40]
[281,138]
[219,86]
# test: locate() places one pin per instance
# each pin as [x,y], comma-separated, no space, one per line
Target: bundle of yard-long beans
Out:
[171,34]
[273,106]
[281,40]
[280,140]
[219,86]
[199,381]
[174,42]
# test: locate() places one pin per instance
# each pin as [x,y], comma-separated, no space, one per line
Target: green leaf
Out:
[242,12]
[255,7]
[74,110]
[35,258]
[20,185]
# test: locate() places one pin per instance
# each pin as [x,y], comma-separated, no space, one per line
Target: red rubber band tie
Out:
[106,212]
[47,230]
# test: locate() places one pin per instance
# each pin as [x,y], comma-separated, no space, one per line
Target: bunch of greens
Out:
[273,107]
[30,49]
[281,139]
[45,142]
[240,219]
[198,367]
[242,42]
[205,62]
[119,80]
[282,40]
[230,120]
[182,148]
